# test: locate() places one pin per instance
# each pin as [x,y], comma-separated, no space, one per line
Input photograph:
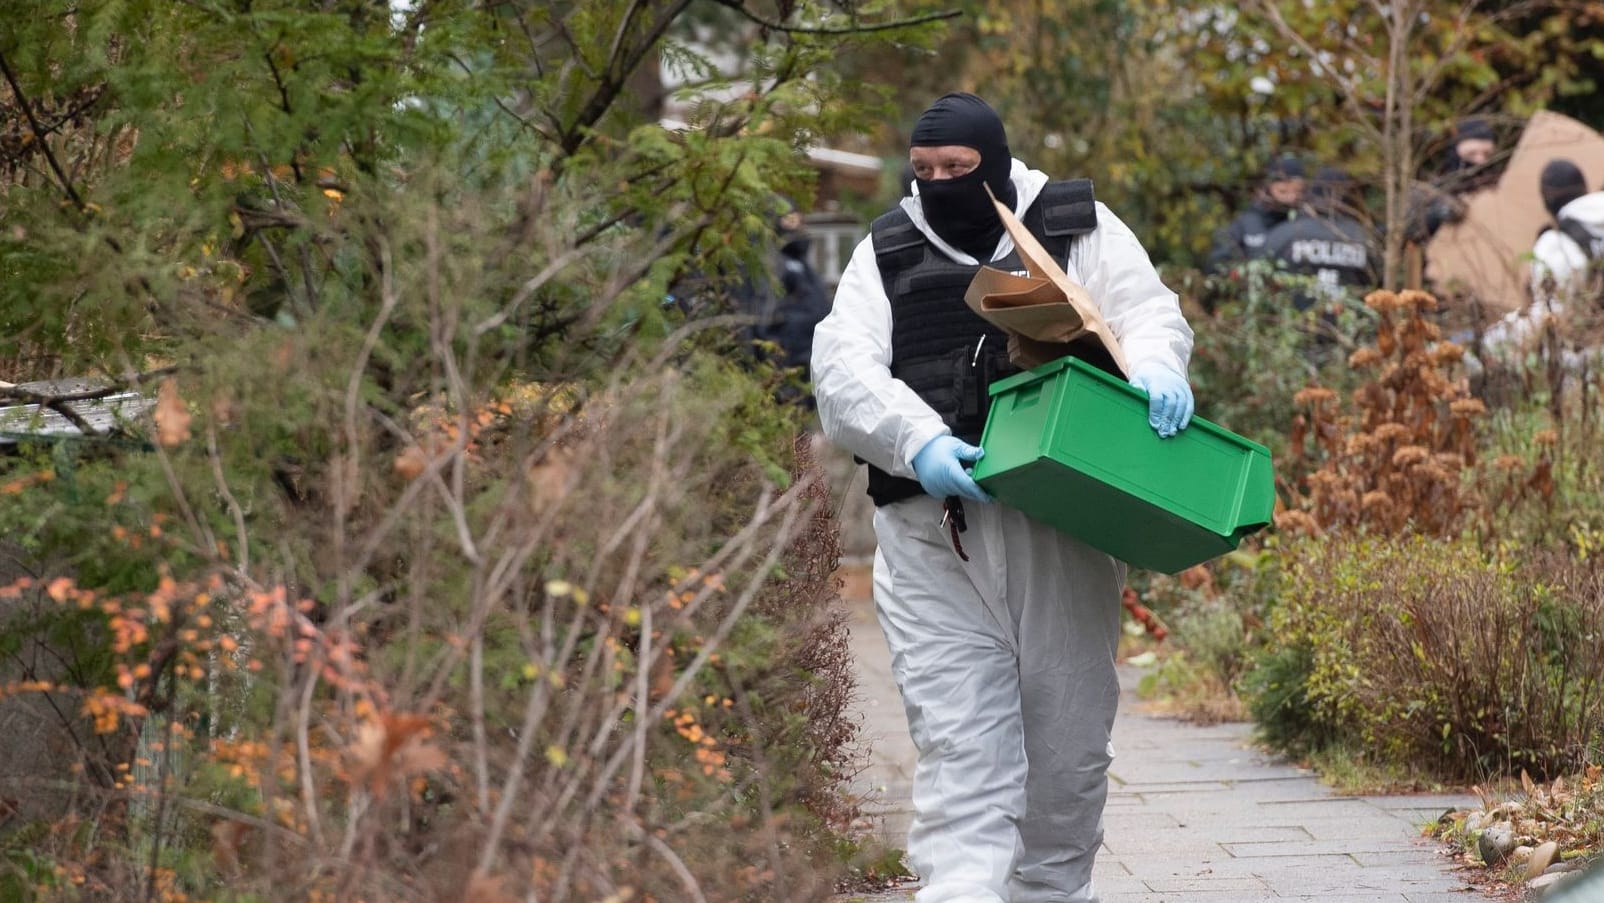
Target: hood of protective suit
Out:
[1587,210]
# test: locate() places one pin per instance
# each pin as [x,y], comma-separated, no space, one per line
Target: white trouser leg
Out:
[1007,654]
[1067,600]
[954,662]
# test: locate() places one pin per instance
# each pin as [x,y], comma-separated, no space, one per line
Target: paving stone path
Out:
[1194,814]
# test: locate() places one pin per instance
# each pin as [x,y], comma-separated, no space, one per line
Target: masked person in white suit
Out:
[1002,643]
[1567,264]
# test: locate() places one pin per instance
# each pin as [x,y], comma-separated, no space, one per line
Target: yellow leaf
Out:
[556,756]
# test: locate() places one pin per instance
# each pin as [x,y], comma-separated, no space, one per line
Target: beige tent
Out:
[1486,255]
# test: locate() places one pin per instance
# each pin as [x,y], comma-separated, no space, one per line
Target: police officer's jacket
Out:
[1244,237]
[866,408]
[1333,248]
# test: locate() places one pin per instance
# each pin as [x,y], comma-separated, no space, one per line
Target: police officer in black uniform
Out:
[1328,242]
[1273,203]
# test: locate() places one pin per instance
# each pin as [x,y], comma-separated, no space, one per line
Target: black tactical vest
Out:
[1592,245]
[943,350]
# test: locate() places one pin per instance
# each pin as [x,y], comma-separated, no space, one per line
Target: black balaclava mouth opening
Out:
[959,210]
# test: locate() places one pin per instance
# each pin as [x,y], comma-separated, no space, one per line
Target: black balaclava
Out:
[1283,168]
[1464,130]
[959,210]
[1560,183]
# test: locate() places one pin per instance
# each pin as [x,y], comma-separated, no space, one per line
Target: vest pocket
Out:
[975,367]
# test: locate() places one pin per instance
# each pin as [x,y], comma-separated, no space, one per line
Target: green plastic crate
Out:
[1069,445]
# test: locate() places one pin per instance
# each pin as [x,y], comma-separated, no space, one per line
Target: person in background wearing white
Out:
[1566,257]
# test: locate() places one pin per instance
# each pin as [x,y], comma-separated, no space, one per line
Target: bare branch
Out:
[527,290]
[39,135]
[344,493]
[612,82]
[243,554]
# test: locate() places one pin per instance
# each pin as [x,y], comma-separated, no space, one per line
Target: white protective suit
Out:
[1559,268]
[1005,661]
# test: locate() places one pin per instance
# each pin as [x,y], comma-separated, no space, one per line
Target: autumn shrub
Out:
[1443,656]
[1397,459]
[543,661]
[1418,622]
[454,561]
[357,617]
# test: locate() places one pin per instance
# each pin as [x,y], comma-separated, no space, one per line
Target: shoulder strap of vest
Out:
[1064,208]
[1580,234]
[898,243]
[1062,211]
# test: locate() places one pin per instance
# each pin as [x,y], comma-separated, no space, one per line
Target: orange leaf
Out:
[392,747]
[410,463]
[172,416]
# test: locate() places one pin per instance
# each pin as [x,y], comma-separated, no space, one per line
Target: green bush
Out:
[1215,615]
[1254,351]
[1277,689]
[1442,655]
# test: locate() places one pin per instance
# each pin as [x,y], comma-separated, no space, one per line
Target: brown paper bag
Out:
[1045,315]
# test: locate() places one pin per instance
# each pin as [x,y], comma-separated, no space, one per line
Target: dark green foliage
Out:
[1254,351]
[1277,690]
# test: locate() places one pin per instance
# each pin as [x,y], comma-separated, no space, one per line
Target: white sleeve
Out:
[1143,313]
[862,407]
[1555,256]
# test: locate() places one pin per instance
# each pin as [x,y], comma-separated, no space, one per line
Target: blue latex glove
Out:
[1169,399]
[940,468]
